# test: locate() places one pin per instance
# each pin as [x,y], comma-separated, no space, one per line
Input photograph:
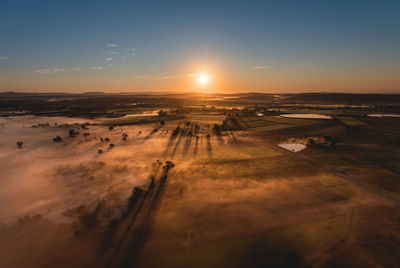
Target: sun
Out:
[203,79]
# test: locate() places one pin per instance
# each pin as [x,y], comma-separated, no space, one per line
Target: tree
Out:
[73,133]
[57,139]
[124,136]
[168,166]
[162,123]
[100,151]
[19,144]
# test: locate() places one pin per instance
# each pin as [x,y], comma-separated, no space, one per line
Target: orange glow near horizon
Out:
[203,82]
[212,76]
[203,79]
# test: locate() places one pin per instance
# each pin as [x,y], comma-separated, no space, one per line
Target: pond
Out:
[306,116]
[293,147]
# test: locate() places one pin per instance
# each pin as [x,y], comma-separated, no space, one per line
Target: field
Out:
[203,184]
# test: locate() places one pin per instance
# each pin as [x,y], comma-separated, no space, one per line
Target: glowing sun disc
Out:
[203,79]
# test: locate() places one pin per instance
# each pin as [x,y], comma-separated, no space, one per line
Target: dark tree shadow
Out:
[131,254]
[131,217]
[218,133]
[187,144]
[235,141]
[244,124]
[172,139]
[209,147]
[148,136]
[132,238]
[196,147]
[177,143]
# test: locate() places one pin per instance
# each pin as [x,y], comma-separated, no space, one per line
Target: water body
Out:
[306,116]
[141,115]
[383,115]
[293,147]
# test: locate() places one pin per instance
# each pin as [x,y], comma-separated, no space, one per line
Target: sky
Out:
[207,46]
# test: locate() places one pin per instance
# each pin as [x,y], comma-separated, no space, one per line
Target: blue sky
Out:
[272,46]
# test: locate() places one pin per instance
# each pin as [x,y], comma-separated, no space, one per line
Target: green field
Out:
[350,121]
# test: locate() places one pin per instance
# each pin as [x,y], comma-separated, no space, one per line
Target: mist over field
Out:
[226,134]
[47,178]
[213,182]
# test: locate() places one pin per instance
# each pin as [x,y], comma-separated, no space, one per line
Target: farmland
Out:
[203,184]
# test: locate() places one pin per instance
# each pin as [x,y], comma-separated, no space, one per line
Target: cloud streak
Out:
[96,68]
[48,71]
[166,77]
[3,57]
[261,67]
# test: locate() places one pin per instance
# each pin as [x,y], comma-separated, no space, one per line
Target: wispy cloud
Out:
[96,68]
[76,69]
[156,78]
[168,77]
[114,52]
[261,67]
[109,45]
[49,71]
[3,57]
[108,59]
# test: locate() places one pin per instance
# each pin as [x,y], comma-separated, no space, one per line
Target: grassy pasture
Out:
[350,121]
[205,118]
[284,247]
[235,200]
[325,131]
[270,127]
[337,187]
[292,121]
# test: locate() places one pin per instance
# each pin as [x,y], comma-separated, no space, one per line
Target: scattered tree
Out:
[168,166]
[161,113]
[57,139]
[19,144]
[73,133]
